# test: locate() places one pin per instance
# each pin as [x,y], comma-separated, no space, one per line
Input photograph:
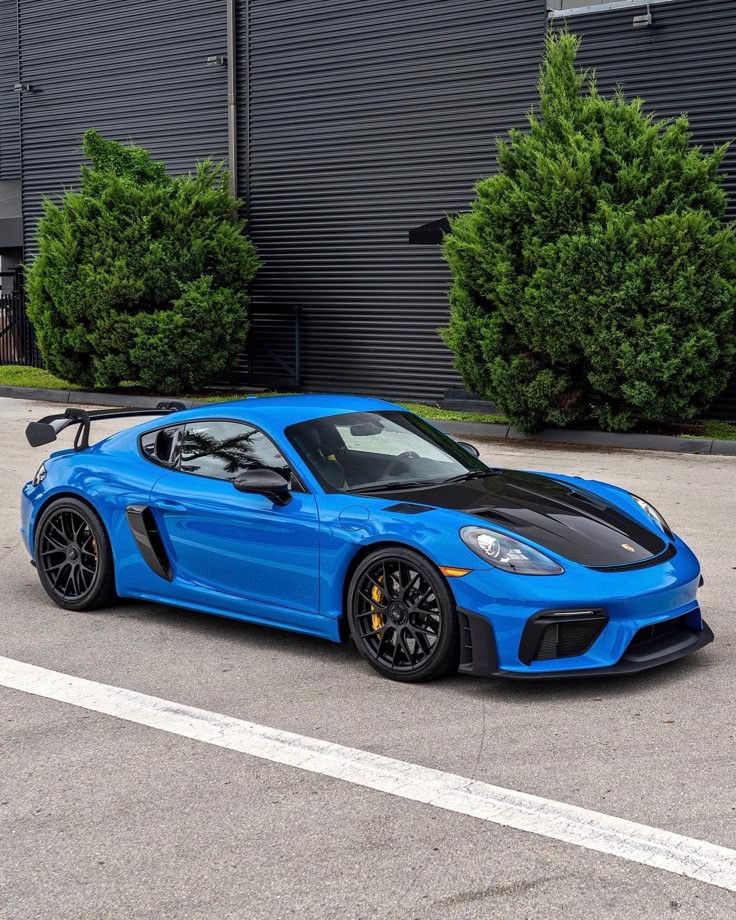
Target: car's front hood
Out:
[571,522]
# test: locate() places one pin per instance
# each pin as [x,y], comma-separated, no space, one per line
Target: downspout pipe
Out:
[232,97]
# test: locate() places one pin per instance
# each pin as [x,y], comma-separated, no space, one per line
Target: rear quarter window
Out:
[162,446]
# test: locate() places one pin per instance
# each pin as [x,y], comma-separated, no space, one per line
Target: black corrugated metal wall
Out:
[365,121]
[686,62]
[356,124]
[9,114]
[131,70]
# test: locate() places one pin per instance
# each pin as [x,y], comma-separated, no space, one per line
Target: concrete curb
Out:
[83,397]
[614,439]
[471,429]
[618,440]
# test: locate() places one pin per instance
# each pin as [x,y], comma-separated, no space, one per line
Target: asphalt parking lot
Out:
[103,818]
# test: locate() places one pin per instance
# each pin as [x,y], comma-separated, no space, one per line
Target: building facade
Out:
[347,126]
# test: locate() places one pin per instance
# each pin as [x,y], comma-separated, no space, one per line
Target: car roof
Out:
[281,411]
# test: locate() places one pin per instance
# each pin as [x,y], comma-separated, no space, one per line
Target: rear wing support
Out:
[46,430]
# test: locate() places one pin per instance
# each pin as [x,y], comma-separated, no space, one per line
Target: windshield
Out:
[376,451]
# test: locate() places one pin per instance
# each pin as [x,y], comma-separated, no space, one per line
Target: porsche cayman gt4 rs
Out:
[346,517]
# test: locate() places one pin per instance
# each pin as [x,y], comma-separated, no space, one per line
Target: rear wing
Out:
[45,430]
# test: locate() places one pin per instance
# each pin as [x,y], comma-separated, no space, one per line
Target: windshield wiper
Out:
[418,483]
[397,484]
[471,474]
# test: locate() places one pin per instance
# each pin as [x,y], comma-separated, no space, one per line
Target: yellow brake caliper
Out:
[377,619]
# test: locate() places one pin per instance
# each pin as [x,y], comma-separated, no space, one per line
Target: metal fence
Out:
[17,339]
[271,357]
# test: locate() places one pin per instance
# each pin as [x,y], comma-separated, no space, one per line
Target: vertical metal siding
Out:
[9,106]
[365,121]
[135,70]
[685,63]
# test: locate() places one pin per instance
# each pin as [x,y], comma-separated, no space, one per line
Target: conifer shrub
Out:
[140,276]
[594,279]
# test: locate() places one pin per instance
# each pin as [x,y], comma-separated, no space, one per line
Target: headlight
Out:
[508,554]
[40,475]
[652,514]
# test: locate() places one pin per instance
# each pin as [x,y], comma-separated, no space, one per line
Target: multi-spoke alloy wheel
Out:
[68,554]
[402,616]
[73,556]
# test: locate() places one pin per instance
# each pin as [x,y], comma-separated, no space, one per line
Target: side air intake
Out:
[148,538]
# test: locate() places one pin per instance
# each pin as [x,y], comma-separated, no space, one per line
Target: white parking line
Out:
[696,859]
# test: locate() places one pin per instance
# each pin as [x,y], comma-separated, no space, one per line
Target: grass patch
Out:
[430,412]
[714,429]
[223,397]
[452,415]
[719,431]
[16,375]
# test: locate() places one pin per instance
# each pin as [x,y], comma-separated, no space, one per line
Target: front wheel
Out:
[402,616]
[73,556]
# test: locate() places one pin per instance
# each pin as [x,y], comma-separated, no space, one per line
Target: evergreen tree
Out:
[141,276]
[593,277]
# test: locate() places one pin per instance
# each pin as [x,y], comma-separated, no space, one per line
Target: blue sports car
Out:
[343,517]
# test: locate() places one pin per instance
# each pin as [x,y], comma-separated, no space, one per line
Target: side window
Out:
[162,446]
[224,450]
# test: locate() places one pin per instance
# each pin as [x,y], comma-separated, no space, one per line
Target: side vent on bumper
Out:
[477,645]
[146,533]
[560,634]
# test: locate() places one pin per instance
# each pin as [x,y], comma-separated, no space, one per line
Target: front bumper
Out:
[26,515]
[657,602]
[480,659]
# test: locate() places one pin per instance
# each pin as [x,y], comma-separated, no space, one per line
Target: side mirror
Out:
[471,448]
[264,482]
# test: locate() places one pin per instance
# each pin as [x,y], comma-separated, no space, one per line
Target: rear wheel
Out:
[73,556]
[402,616]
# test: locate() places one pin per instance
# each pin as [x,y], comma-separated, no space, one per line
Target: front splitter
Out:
[632,662]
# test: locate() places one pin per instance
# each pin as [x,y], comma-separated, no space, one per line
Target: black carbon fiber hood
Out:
[569,521]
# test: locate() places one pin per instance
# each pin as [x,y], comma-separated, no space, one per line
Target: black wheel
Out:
[73,556]
[402,616]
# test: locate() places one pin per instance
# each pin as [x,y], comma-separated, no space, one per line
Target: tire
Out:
[412,634]
[73,556]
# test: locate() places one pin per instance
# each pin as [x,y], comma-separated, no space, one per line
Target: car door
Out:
[243,552]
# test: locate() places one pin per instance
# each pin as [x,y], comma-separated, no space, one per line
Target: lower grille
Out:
[565,640]
[669,630]
[560,634]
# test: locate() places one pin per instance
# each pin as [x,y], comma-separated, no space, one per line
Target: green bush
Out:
[593,278]
[141,276]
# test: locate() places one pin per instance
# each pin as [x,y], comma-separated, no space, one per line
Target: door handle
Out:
[165,504]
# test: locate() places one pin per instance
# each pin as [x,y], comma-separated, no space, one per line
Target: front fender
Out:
[349,527]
